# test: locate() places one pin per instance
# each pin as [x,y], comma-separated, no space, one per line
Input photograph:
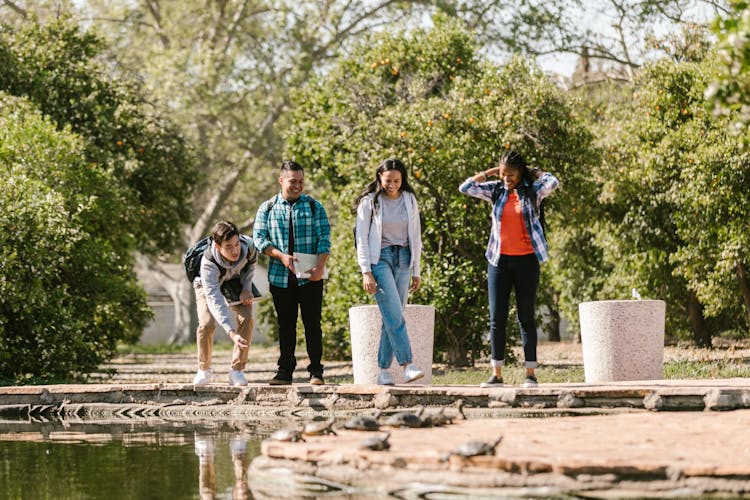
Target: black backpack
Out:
[192,261]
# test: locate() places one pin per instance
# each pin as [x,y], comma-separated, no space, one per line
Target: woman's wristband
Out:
[484,175]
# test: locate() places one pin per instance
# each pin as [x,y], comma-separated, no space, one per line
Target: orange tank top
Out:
[514,239]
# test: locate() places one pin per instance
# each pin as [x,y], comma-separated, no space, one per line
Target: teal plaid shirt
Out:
[312,232]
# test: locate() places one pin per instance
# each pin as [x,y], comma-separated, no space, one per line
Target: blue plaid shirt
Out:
[542,186]
[312,232]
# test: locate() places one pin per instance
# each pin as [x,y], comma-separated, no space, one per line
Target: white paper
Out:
[304,262]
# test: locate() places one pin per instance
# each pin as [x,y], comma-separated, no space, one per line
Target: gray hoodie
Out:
[211,280]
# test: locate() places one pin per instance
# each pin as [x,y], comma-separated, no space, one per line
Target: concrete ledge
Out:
[662,395]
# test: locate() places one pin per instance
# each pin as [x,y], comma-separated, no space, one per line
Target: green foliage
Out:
[57,67]
[426,98]
[90,176]
[671,217]
[729,93]
[67,296]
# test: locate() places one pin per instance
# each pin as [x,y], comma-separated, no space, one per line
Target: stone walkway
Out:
[633,455]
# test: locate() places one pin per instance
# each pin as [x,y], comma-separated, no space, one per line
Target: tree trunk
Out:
[744,287]
[553,327]
[701,335]
[185,315]
[457,353]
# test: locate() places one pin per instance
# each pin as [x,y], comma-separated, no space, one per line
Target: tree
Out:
[672,220]
[729,92]
[425,96]
[67,294]
[225,71]
[91,175]
[57,68]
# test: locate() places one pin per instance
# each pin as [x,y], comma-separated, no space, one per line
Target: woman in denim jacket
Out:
[389,246]
[516,248]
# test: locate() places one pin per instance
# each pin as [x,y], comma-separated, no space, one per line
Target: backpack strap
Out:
[272,202]
[207,254]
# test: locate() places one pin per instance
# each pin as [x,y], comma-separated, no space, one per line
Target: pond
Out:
[161,460]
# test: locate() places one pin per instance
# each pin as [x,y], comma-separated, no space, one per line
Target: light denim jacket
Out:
[370,232]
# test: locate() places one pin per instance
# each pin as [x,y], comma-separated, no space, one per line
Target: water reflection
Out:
[112,460]
[205,449]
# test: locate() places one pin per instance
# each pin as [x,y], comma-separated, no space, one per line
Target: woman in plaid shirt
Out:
[516,248]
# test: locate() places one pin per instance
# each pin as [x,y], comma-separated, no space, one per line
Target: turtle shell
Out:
[287,435]
[318,428]
[376,443]
[362,423]
[475,448]
[404,419]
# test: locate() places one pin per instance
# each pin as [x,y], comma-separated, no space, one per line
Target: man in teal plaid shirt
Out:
[290,222]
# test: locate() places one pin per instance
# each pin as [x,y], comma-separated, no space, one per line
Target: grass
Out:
[123,349]
[719,368]
[190,348]
[515,375]
[512,375]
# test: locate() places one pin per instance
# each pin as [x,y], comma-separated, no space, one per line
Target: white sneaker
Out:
[236,377]
[203,377]
[385,378]
[204,448]
[238,446]
[412,373]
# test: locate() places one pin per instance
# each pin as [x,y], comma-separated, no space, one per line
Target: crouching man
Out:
[223,284]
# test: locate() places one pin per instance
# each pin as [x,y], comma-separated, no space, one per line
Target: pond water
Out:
[162,460]
[150,458]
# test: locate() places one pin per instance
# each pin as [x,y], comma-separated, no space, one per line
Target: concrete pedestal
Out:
[622,340]
[365,323]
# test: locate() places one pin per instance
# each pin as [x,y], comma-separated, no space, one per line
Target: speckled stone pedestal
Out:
[365,324]
[622,340]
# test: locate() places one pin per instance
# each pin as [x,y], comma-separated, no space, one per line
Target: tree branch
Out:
[155,10]
[17,8]
[229,181]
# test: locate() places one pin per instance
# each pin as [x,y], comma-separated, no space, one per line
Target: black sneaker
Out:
[282,377]
[530,381]
[493,381]
[316,379]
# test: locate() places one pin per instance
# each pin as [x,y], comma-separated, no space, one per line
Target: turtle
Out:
[376,443]
[404,419]
[319,428]
[439,418]
[290,435]
[363,423]
[436,419]
[473,449]
[460,415]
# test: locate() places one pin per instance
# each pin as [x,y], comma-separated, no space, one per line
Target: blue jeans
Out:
[392,276]
[522,273]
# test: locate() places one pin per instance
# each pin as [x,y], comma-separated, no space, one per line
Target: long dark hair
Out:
[377,187]
[515,160]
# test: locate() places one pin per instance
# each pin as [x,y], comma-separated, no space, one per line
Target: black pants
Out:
[522,273]
[308,299]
